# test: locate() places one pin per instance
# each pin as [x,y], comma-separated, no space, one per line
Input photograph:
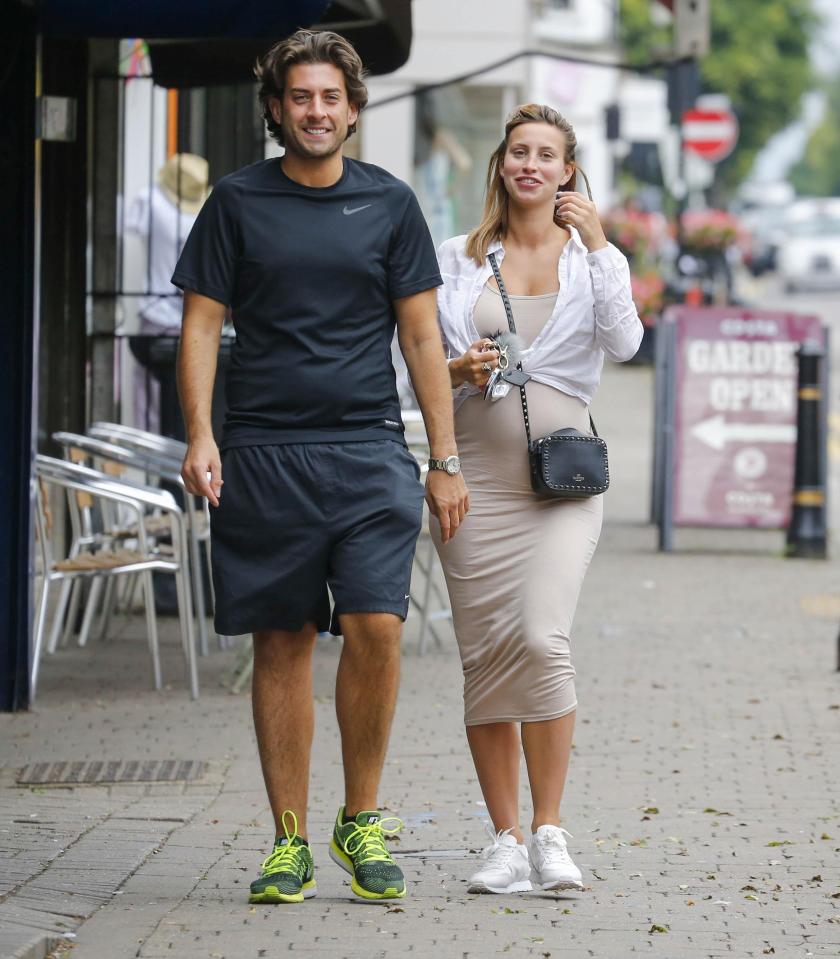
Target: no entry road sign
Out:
[711,134]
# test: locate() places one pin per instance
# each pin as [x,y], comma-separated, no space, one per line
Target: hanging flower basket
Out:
[648,291]
[632,231]
[709,232]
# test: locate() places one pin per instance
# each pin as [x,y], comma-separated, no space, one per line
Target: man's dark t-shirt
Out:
[310,275]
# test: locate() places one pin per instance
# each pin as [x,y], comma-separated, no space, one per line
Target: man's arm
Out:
[419,338]
[199,348]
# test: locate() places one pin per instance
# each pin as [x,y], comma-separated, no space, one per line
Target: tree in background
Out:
[818,172]
[758,57]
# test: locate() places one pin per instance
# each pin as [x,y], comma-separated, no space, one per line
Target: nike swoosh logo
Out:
[358,209]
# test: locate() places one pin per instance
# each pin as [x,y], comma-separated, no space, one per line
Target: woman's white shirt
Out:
[594,315]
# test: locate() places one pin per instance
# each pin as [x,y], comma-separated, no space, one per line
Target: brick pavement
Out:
[702,797]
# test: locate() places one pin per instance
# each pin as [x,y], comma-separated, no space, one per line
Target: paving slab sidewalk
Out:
[703,794]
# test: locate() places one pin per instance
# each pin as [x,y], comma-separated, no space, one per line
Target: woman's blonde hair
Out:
[494,220]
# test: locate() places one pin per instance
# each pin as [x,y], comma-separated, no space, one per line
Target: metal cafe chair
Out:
[199,519]
[153,468]
[426,595]
[107,563]
[140,439]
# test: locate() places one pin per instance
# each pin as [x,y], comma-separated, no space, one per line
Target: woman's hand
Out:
[474,366]
[573,209]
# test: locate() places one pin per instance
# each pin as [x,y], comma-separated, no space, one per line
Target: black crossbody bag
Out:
[566,464]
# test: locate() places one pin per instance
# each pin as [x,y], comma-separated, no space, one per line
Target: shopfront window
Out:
[456,130]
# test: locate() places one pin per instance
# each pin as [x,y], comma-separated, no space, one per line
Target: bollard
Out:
[806,534]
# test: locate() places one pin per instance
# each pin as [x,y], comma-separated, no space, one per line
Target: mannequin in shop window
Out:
[162,215]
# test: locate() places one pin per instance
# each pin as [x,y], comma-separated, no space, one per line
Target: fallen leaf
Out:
[748,889]
[651,810]
[825,835]
[816,879]
[781,842]
[657,928]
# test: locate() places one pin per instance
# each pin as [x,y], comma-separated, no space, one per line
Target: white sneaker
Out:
[507,868]
[551,862]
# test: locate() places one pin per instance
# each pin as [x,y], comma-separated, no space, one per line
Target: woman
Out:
[515,569]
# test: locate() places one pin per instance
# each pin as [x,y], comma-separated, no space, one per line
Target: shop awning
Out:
[384,44]
[197,43]
[178,18]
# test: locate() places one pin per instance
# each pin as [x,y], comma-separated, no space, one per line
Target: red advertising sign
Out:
[711,134]
[735,414]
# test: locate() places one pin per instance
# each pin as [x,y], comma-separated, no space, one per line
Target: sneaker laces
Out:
[367,842]
[286,858]
[553,845]
[496,852]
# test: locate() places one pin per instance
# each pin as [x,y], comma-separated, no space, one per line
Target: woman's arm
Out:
[618,329]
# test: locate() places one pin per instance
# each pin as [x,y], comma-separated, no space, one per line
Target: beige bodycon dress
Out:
[515,567]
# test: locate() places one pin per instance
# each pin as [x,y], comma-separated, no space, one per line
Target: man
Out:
[317,256]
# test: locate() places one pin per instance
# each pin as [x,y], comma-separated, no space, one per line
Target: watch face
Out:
[453,465]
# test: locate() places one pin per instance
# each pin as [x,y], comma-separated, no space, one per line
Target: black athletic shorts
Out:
[295,519]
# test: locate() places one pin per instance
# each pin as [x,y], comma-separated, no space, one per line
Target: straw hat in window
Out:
[183,179]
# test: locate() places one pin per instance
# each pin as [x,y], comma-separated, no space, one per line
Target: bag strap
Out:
[512,326]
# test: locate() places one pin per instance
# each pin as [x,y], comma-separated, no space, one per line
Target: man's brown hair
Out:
[308,46]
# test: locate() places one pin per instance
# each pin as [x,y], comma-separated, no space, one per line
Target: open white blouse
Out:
[594,315]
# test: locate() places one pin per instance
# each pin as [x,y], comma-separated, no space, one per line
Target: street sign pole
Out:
[666,512]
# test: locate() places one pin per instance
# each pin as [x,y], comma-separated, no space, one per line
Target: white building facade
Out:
[440,141]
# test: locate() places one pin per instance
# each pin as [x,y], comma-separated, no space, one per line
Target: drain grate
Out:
[111,771]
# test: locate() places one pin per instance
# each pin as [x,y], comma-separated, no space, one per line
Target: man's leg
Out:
[365,697]
[284,718]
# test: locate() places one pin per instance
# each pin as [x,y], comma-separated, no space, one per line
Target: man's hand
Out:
[202,457]
[448,500]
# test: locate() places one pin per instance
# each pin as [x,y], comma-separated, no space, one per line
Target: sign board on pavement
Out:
[730,414]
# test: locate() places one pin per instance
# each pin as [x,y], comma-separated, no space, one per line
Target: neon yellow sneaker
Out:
[288,874]
[359,848]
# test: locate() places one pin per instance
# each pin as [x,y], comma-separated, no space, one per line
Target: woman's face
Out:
[533,167]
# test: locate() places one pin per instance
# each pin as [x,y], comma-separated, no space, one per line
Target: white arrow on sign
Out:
[716,432]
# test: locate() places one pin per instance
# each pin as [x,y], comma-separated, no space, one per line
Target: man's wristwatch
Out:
[451,465]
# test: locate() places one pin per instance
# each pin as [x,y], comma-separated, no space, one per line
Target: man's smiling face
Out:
[315,113]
